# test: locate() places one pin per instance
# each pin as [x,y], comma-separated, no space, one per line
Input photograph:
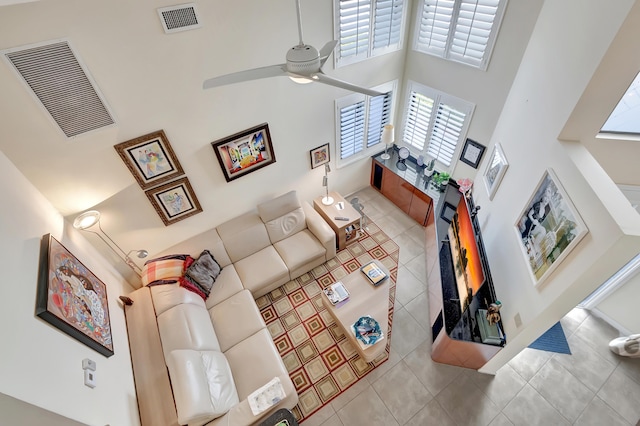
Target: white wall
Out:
[563,53]
[616,306]
[38,363]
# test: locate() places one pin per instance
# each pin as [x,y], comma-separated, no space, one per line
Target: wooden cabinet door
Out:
[420,208]
[396,189]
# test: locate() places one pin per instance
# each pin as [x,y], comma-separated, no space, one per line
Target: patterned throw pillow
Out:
[201,274]
[164,270]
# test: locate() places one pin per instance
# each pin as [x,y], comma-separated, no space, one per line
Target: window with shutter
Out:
[365,28]
[435,124]
[360,120]
[459,30]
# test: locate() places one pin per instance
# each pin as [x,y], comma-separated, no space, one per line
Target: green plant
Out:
[430,164]
[441,178]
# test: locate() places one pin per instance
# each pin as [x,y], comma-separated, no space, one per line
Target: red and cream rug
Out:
[321,362]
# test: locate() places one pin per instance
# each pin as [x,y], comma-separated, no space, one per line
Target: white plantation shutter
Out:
[460,30]
[367,27]
[379,115]
[387,23]
[447,129]
[416,126]
[351,129]
[355,17]
[435,23]
[435,123]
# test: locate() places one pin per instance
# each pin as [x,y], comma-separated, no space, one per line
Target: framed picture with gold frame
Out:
[174,201]
[150,159]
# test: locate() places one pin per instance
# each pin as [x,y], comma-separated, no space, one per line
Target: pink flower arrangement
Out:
[465,185]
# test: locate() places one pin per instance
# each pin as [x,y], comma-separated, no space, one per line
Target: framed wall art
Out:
[150,159]
[319,155]
[496,168]
[548,228]
[245,152]
[448,211]
[472,153]
[174,201]
[71,298]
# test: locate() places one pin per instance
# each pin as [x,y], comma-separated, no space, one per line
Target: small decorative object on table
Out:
[267,396]
[336,293]
[440,180]
[429,165]
[375,274]
[465,186]
[367,331]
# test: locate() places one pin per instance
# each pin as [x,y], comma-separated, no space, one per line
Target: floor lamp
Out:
[89,219]
[327,201]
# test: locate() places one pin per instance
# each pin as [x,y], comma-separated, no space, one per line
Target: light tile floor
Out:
[590,387]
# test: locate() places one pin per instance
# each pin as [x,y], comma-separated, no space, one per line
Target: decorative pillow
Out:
[164,270]
[201,274]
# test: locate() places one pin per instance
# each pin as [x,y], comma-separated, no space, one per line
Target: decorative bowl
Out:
[367,330]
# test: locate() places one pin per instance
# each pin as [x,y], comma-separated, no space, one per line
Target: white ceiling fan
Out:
[304,65]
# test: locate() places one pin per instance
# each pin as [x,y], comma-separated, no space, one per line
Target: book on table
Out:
[375,274]
[336,292]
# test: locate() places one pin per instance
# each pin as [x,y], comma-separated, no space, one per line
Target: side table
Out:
[346,230]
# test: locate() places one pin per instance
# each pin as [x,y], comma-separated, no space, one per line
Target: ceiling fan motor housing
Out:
[303,59]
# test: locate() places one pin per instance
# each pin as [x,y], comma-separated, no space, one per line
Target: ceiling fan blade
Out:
[240,76]
[323,78]
[326,51]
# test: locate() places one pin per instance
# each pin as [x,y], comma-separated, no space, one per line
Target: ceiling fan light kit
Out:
[303,65]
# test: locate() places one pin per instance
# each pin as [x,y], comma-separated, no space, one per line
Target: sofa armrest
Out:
[321,229]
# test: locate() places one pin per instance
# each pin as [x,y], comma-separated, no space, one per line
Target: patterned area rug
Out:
[321,362]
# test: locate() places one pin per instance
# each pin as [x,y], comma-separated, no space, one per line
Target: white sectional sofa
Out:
[196,361]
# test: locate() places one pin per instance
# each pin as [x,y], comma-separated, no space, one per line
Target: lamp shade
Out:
[87,219]
[387,134]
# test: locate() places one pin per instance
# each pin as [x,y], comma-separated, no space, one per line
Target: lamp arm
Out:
[124,256]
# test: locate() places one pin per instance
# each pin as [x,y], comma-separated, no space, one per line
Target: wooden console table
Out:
[403,182]
[346,230]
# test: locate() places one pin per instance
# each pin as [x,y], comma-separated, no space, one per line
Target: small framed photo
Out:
[472,153]
[71,298]
[245,152]
[548,227]
[320,155]
[150,159]
[496,168]
[448,212]
[174,201]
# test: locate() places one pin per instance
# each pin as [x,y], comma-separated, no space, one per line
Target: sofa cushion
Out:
[207,240]
[202,273]
[203,385]
[299,250]
[254,361]
[262,269]
[227,284]
[243,236]
[186,326]
[235,319]
[167,296]
[279,206]
[286,225]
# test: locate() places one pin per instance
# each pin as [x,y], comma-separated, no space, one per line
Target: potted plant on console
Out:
[429,167]
[440,180]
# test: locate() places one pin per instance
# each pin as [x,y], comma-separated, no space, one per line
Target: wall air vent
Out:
[179,18]
[62,85]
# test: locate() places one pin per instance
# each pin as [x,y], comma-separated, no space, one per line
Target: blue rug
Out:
[553,340]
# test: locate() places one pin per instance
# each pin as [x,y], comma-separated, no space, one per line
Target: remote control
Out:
[341,218]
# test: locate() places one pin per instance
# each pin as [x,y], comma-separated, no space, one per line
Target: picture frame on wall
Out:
[150,159]
[174,201]
[472,153]
[495,170]
[448,212]
[320,155]
[245,152]
[71,298]
[548,228]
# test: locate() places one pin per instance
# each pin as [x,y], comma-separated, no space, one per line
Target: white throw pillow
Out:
[203,386]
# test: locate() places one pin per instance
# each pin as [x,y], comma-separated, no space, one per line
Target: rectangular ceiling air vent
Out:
[179,18]
[63,86]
